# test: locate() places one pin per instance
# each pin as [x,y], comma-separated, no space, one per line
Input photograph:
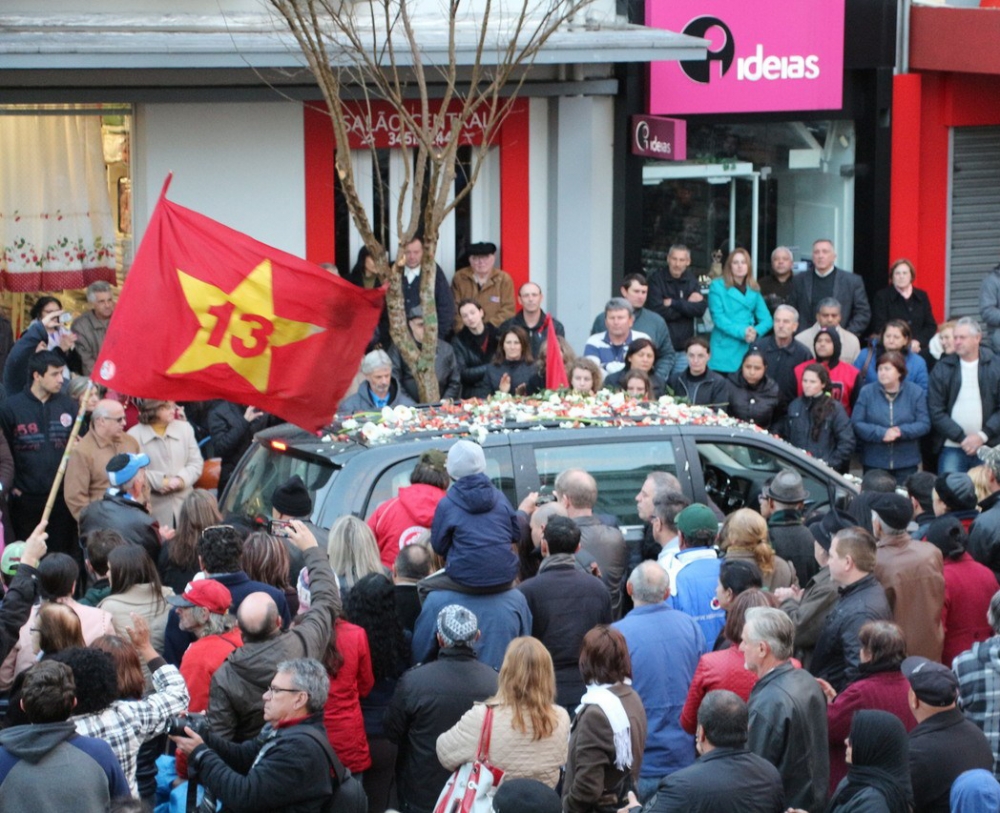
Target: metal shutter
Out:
[974,217]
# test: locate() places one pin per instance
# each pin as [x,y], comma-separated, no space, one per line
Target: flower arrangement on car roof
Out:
[476,418]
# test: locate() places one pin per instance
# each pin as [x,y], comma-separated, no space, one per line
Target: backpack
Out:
[348,792]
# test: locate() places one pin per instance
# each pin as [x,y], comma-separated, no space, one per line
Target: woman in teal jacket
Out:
[739,312]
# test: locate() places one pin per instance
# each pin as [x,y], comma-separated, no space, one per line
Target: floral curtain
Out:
[56,228]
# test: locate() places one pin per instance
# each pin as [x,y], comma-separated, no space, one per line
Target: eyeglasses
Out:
[116,420]
[275,689]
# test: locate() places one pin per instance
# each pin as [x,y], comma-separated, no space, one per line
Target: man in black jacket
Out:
[445,369]
[532,318]
[945,743]
[826,280]
[232,427]
[960,422]
[285,768]
[837,656]
[429,699]
[984,537]
[566,603]
[674,293]
[727,778]
[37,422]
[123,508]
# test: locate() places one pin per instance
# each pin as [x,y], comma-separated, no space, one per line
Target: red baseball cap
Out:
[208,593]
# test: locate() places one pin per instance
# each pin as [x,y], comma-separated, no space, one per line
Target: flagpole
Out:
[69,450]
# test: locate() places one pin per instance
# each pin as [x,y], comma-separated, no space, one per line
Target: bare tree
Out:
[378,50]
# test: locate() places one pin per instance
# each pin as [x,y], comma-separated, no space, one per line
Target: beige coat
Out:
[517,754]
[139,599]
[175,454]
[86,473]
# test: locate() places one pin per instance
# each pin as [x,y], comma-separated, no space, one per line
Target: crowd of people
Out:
[156,652]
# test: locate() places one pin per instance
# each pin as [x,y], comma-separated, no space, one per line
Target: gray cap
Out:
[786,487]
[465,458]
[457,625]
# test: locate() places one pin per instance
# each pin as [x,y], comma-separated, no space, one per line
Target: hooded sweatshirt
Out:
[474,528]
[843,377]
[72,772]
[398,522]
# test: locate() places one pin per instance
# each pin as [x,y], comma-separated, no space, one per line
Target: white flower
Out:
[403,413]
[349,425]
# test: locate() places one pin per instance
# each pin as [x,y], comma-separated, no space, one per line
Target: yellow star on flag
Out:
[239,328]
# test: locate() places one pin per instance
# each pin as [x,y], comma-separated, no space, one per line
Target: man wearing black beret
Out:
[486,284]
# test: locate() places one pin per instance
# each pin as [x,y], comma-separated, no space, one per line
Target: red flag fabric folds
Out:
[208,312]
[555,368]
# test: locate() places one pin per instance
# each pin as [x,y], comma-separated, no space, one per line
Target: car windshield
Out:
[267,468]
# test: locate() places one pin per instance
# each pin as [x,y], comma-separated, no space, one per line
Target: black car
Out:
[728,463]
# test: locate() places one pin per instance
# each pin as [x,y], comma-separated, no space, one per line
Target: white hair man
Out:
[91,326]
[379,389]
[783,353]
[964,399]
[86,475]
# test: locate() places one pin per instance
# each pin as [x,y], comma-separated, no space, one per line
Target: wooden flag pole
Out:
[69,450]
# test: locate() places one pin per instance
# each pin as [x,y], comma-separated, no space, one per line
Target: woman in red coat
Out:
[349,665]
[880,686]
[968,588]
[725,668]
[400,520]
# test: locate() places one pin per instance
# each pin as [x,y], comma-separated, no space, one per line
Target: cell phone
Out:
[278,527]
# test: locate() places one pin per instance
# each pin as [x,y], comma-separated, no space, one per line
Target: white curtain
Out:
[56,228]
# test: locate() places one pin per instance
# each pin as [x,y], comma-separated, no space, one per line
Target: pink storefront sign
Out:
[659,137]
[774,56]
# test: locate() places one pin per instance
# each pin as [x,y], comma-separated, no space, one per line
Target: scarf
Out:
[600,695]
[879,760]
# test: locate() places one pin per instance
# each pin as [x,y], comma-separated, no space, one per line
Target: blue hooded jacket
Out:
[473,529]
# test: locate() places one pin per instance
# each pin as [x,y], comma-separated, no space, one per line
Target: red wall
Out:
[513,143]
[925,107]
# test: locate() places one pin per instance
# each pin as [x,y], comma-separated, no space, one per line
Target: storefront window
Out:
[753,185]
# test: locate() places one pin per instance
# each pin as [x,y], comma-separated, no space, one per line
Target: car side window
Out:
[619,468]
[735,473]
[498,469]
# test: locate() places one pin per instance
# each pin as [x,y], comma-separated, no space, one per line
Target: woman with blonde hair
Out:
[981,480]
[178,560]
[353,553]
[739,313]
[744,536]
[175,462]
[530,733]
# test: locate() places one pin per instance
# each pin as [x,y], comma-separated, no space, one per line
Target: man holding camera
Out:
[286,767]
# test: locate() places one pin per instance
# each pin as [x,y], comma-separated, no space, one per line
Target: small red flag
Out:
[208,312]
[555,369]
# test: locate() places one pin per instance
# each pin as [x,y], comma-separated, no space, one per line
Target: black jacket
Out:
[781,364]
[565,605]
[473,357]
[520,373]
[37,434]
[725,780]
[282,770]
[941,748]
[788,729]
[445,370]
[916,312]
[681,314]
[757,404]
[16,606]
[835,443]
[707,389]
[793,542]
[444,301]
[984,536]
[838,650]
[848,290]
[121,513]
[429,700]
[946,381]
[232,435]
[536,334]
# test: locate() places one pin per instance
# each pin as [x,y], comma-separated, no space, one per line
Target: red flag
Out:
[555,369]
[209,312]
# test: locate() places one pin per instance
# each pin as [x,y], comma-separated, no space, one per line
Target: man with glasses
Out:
[285,767]
[123,508]
[86,478]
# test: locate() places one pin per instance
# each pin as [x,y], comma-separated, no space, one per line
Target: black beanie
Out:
[292,498]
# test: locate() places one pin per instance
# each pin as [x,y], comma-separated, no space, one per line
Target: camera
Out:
[178,722]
